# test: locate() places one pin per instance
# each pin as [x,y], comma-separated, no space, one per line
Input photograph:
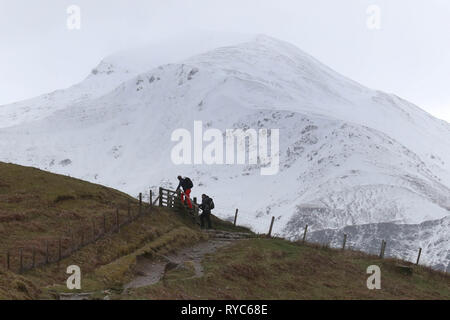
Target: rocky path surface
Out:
[149,271]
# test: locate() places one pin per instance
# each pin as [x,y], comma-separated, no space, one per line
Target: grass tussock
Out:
[16,287]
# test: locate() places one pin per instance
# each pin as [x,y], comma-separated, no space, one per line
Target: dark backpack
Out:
[211,203]
[189,183]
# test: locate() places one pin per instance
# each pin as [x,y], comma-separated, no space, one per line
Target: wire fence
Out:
[53,249]
[340,240]
[44,251]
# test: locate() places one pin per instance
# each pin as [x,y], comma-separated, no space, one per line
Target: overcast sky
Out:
[409,55]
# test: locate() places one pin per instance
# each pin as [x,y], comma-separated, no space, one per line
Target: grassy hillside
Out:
[278,269]
[107,263]
[37,205]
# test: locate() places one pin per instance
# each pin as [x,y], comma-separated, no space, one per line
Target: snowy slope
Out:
[349,155]
[103,79]
[112,71]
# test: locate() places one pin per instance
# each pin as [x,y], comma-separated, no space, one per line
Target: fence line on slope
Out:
[303,238]
[55,249]
[52,250]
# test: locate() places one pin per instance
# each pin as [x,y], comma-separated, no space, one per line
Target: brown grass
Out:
[37,206]
[278,269]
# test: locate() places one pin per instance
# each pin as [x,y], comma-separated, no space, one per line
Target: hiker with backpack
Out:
[187,185]
[207,205]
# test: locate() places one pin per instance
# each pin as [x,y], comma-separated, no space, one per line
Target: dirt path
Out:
[149,271]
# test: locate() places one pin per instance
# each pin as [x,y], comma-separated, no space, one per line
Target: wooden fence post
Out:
[418,257]
[47,258]
[117,220]
[8,259]
[235,217]
[304,233]
[151,198]
[383,246]
[271,226]
[129,210]
[381,249]
[104,223]
[160,197]
[21,260]
[140,203]
[72,241]
[59,249]
[344,242]
[33,263]
[179,198]
[93,229]
[195,206]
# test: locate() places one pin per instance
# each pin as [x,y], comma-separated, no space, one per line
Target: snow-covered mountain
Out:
[349,155]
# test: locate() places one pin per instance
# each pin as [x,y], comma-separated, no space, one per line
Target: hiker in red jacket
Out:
[187,185]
